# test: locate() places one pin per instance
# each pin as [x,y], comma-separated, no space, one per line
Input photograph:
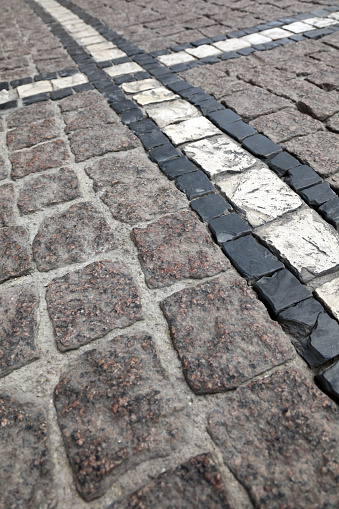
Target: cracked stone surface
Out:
[177,247]
[288,444]
[190,130]
[172,112]
[116,409]
[71,237]
[223,335]
[90,302]
[32,134]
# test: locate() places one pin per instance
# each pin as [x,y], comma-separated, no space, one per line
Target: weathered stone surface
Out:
[90,302]
[319,104]
[143,199]
[25,476]
[89,117]
[99,140]
[299,320]
[319,150]
[15,255]
[32,134]
[205,50]
[232,45]
[83,100]
[47,190]
[196,483]
[171,112]
[116,409]
[71,237]
[179,57]
[259,203]
[18,327]
[29,114]
[328,293]
[219,155]
[315,247]
[190,130]
[333,123]
[286,124]
[121,69]
[326,79]
[40,158]
[124,167]
[177,247]
[287,451]
[3,169]
[34,88]
[139,86]
[223,334]
[324,340]
[156,95]
[7,201]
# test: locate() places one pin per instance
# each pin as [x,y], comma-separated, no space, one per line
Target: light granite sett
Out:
[189,130]
[298,27]
[321,22]
[260,195]
[107,54]
[205,50]
[172,112]
[305,241]
[232,45]
[276,33]
[219,155]
[255,39]
[139,86]
[329,296]
[121,69]
[69,81]
[34,88]
[156,95]
[175,58]
[92,39]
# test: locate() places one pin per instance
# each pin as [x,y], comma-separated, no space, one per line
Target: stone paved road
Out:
[169,254]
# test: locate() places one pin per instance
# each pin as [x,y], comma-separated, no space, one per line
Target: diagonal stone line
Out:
[267,212]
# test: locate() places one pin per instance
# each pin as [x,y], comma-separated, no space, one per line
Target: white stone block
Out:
[69,81]
[172,112]
[107,54]
[175,58]
[121,69]
[139,86]
[298,27]
[329,296]
[205,50]
[100,46]
[276,33]
[321,22]
[39,87]
[231,45]
[189,130]
[92,39]
[156,95]
[254,39]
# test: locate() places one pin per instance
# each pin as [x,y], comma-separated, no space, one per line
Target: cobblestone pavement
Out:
[169,254]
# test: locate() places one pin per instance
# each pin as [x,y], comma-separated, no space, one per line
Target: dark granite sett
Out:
[239,130]
[324,340]
[8,105]
[87,304]
[187,92]
[317,195]
[22,81]
[7,202]
[194,184]
[25,477]
[223,118]
[35,99]
[196,483]
[116,409]
[152,139]
[209,106]
[163,153]
[179,85]
[210,206]
[328,380]
[287,449]
[121,106]
[281,291]
[261,146]
[60,94]
[330,210]
[177,247]
[84,87]
[46,190]
[131,116]
[228,227]
[223,334]
[18,327]
[176,167]
[302,177]
[283,162]
[143,126]
[49,155]
[299,320]
[229,55]
[15,254]
[32,134]
[46,76]
[72,236]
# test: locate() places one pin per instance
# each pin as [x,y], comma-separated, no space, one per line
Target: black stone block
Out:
[158,71]
[84,87]
[198,98]
[200,42]
[106,63]
[142,75]
[152,139]
[163,153]
[159,52]
[245,51]
[229,55]
[22,81]
[302,177]
[261,146]
[228,227]
[318,33]
[180,67]
[4,85]
[121,60]
[299,320]
[194,184]
[318,195]
[218,38]
[168,79]
[143,126]
[60,94]
[239,130]
[235,34]
[46,76]
[187,92]
[209,60]
[328,381]
[126,78]
[210,206]
[297,37]
[283,162]
[68,72]
[35,99]
[324,340]
[181,47]
[176,167]
[8,105]
[330,210]
[209,106]
[223,118]
[121,106]
[281,291]
[132,116]
[179,85]
[250,258]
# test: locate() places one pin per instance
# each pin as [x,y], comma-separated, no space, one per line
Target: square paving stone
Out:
[18,328]
[30,114]
[143,126]
[143,199]
[87,304]
[223,118]
[209,106]
[281,290]
[49,155]
[317,195]
[223,334]
[83,100]
[210,206]
[176,167]
[7,202]
[328,293]
[153,139]
[195,483]
[140,86]
[32,134]
[190,130]
[251,259]
[260,195]
[239,130]
[171,112]
[228,227]
[328,381]
[261,146]
[155,95]
[163,153]
[315,247]
[130,413]
[288,442]
[88,117]
[302,177]
[47,190]
[324,340]
[26,474]
[71,237]
[299,320]
[87,143]
[177,247]
[194,184]
[219,155]
[132,116]
[15,253]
